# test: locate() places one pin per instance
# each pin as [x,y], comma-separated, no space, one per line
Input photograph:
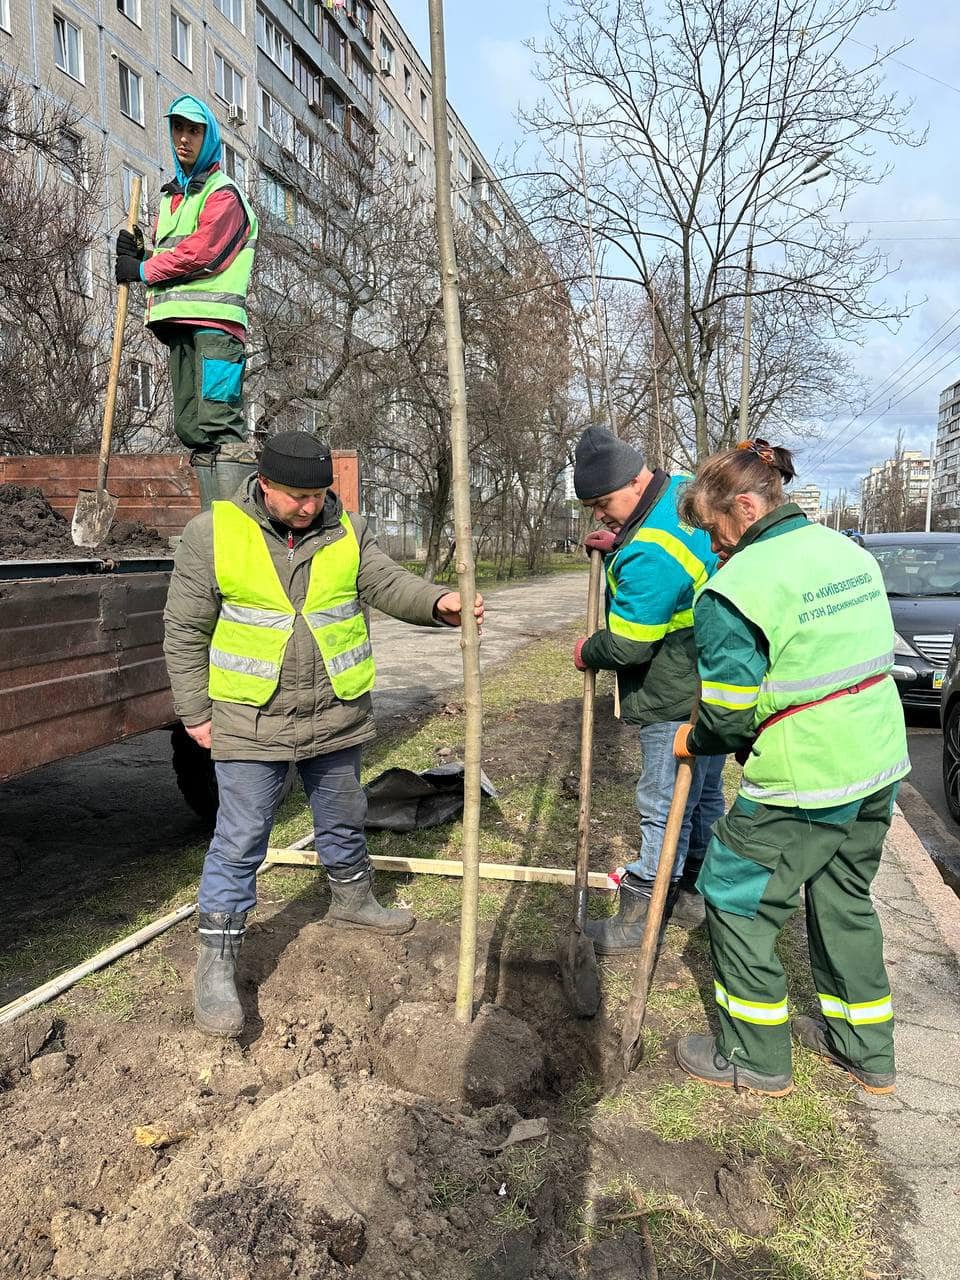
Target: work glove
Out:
[680,740]
[600,540]
[578,662]
[127,269]
[130,244]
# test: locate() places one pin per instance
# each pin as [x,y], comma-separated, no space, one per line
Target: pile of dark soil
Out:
[30,529]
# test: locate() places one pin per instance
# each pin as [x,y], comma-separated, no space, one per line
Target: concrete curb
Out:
[942,903]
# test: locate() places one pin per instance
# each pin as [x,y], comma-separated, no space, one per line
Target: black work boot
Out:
[216,1006]
[353,906]
[700,1058]
[623,932]
[812,1034]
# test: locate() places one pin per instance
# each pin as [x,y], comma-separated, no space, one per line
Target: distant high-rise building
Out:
[946,475]
[893,494]
[808,500]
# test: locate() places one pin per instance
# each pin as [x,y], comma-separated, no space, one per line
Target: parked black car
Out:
[921,572]
[950,720]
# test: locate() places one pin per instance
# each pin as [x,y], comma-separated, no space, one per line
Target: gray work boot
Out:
[352,905]
[623,932]
[216,1006]
[700,1058]
[811,1033]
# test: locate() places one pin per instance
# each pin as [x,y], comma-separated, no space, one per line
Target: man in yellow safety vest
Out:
[270,663]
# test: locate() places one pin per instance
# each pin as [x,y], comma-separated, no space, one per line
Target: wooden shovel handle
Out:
[586,744]
[113,378]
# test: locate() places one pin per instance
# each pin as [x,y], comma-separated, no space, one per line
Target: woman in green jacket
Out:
[794,648]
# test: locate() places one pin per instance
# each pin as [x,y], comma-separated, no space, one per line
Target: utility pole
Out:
[933,446]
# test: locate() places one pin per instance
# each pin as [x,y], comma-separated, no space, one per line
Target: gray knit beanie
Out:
[297,460]
[602,463]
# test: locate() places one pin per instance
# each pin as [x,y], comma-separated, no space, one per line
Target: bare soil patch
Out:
[30,529]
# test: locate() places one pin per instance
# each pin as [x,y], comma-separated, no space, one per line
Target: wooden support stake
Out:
[445,867]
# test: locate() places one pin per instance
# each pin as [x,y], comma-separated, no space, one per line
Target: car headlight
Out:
[901,647]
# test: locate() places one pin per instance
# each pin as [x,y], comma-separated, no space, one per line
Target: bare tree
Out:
[703,132]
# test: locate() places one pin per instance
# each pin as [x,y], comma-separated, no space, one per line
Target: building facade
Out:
[946,480]
[893,495]
[808,500]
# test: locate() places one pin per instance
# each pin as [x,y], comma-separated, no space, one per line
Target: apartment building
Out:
[808,500]
[895,485]
[946,480]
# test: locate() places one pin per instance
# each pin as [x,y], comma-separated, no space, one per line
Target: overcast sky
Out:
[914,213]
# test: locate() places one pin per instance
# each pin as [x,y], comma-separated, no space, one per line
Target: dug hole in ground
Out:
[350,1133]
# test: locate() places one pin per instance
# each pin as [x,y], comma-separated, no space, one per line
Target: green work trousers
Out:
[206,372]
[758,859]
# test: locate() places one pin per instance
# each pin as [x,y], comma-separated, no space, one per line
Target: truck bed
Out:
[81,661]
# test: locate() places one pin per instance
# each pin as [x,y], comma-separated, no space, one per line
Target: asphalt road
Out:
[922,800]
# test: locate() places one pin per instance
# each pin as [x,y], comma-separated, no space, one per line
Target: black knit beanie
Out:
[602,463]
[297,460]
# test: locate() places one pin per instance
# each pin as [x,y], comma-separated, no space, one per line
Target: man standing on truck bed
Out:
[270,662]
[197,280]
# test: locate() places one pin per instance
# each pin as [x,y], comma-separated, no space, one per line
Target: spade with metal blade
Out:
[578,960]
[95,509]
[631,1049]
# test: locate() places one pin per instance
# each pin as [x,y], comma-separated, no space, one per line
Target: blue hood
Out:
[210,152]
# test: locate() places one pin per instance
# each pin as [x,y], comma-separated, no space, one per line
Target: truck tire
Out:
[195,775]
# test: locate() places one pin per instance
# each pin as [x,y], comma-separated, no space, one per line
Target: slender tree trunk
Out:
[470,635]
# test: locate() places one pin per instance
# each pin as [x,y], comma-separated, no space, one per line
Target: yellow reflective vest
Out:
[256,618]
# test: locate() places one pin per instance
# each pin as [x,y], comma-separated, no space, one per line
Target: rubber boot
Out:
[618,934]
[700,1058]
[812,1034]
[353,906]
[216,1006]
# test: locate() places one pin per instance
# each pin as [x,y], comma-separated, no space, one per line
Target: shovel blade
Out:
[92,517]
[581,978]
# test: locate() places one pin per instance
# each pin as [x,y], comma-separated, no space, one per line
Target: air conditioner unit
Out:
[386,67]
[410,158]
[236,113]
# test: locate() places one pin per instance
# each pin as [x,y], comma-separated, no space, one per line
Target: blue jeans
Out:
[711,806]
[654,793]
[250,794]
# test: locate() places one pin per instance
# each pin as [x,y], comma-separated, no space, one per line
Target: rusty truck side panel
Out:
[81,665]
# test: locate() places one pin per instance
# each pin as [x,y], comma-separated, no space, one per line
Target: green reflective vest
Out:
[256,618]
[820,601]
[220,296]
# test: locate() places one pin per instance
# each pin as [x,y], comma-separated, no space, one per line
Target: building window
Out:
[464,165]
[386,56]
[131,93]
[423,157]
[276,120]
[274,43]
[388,116]
[408,82]
[362,77]
[5,16]
[9,118]
[73,160]
[407,139]
[78,275]
[229,84]
[232,10]
[423,105]
[335,42]
[180,39]
[361,14]
[234,166]
[306,149]
[130,9]
[306,76]
[127,175]
[463,209]
[68,47]
[308,11]
[141,385]
[278,200]
[334,107]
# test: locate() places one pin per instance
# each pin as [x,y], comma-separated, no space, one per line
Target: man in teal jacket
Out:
[653,564]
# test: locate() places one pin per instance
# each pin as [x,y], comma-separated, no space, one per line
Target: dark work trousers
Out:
[206,374]
[758,860]
[250,794]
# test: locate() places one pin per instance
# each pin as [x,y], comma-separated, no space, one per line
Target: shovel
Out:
[578,960]
[95,509]
[631,1050]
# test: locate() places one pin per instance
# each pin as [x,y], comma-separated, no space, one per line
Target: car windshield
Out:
[918,569]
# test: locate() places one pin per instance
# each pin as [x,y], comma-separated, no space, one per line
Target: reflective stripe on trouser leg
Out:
[339,806]
[846,942]
[249,797]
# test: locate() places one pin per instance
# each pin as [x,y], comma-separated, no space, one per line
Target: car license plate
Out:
[938,679]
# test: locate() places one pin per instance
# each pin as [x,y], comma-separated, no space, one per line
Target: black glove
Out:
[127,269]
[130,244]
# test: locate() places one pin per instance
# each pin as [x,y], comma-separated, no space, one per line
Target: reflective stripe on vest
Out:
[256,619]
[857,1015]
[766,1013]
[693,566]
[220,296]
[820,602]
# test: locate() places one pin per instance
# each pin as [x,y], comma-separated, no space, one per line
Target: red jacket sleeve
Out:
[221,233]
